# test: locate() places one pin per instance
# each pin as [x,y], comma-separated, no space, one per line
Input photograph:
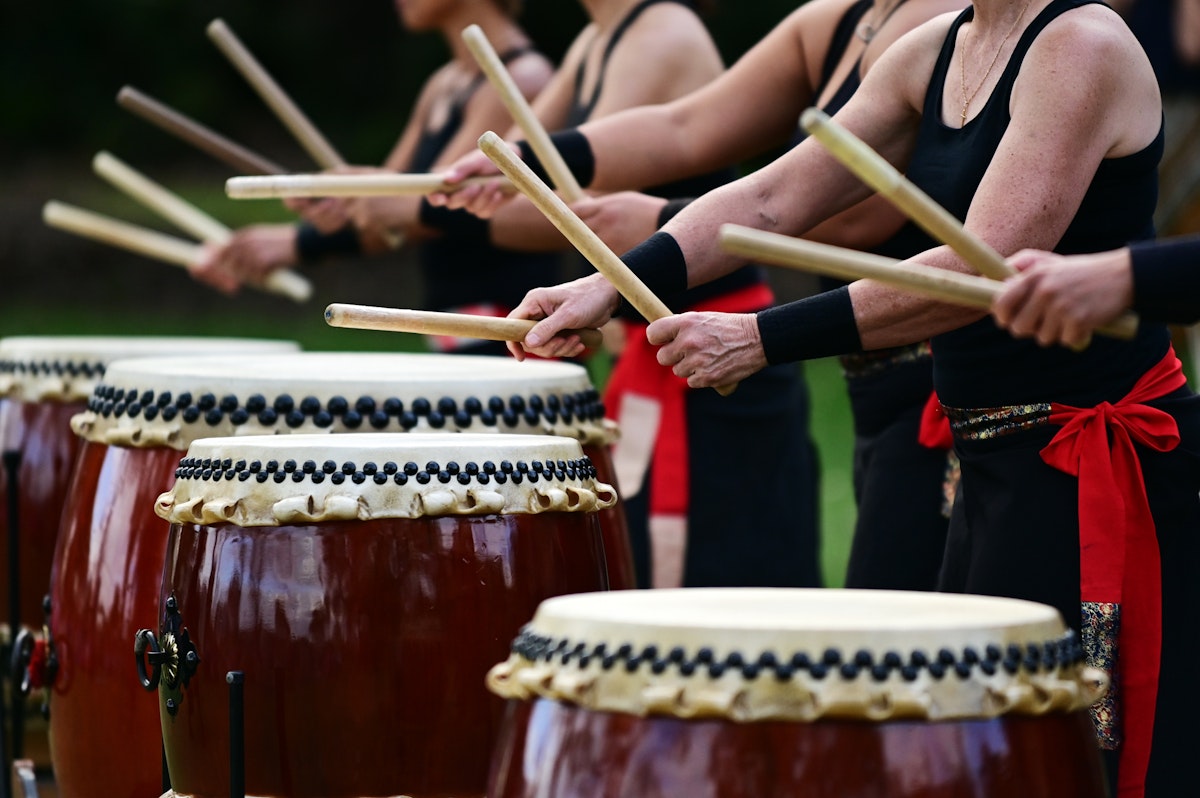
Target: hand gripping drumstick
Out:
[122,235]
[369,185]
[426,322]
[274,96]
[874,170]
[966,290]
[522,113]
[578,233]
[202,138]
[188,217]
[287,111]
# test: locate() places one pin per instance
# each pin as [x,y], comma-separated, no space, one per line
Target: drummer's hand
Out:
[709,349]
[621,220]
[480,199]
[586,303]
[249,257]
[1058,299]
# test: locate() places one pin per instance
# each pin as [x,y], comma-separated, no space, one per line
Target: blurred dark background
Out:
[350,66]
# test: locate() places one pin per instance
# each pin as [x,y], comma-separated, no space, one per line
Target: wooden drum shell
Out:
[364,646]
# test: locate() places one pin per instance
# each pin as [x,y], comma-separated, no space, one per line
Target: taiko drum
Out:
[822,694]
[363,585]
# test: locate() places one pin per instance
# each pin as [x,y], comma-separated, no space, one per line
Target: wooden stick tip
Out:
[489,139]
[813,117]
[473,32]
[126,93]
[217,27]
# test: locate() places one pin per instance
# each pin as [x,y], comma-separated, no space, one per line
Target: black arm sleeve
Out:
[313,245]
[1166,279]
[574,148]
[817,326]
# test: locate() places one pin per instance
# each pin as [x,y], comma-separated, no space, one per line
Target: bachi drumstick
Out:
[274,96]
[202,138]
[579,234]
[366,185]
[874,170]
[426,322]
[522,113]
[956,288]
[189,218]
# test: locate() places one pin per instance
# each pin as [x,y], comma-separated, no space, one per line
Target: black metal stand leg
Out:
[12,748]
[166,774]
[237,731]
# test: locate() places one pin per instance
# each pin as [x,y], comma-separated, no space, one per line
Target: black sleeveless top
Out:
[843,36]
[581,110]
[460,269]
[981,365]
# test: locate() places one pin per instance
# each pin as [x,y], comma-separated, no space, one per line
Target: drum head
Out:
[68,368]
[794,654]
[281,480]
[173,401]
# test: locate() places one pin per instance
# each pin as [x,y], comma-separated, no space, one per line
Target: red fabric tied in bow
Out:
[934,432]
[639,372]
[1118,549]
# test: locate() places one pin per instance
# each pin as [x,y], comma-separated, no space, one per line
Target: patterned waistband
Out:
[985,423]
[866,364]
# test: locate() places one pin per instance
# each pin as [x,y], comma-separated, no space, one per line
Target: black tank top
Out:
[581,110]
[843,36]
[980,365]
[463,270]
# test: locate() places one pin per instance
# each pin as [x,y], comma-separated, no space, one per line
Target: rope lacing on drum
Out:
[1064,651]
[109,401]
[58,367]
[216,470]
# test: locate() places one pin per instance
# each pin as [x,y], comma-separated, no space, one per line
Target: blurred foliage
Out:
[350,66]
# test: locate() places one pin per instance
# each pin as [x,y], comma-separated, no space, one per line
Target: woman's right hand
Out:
[480,199]
[248,258]
[586,303]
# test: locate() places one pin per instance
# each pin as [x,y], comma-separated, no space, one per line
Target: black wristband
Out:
[313,245]
[659,263]
[1166,279]
[574,148]
[458,223]
[818,326]
[672,209]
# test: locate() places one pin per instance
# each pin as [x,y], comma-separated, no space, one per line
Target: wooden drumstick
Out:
[579,234]
[288,112]
[188,217]
[107,230]
[427,322]
[522,113]
[202,138]
[874,170]
[966,290]
[367,185]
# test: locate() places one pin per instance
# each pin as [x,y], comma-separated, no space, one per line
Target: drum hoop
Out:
[1034,678]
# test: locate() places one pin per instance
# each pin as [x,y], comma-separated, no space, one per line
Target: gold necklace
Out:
[867,30]
[962,65]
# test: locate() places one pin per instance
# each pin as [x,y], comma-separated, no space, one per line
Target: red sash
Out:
[638,372]
[934,432]
[1118,548]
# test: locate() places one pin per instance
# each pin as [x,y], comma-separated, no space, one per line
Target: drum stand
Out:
[237,741]
[16,701]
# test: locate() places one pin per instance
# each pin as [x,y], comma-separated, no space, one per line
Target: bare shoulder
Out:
[906,66]
[907,18]
[531,72]
[670,26]
[1091,36]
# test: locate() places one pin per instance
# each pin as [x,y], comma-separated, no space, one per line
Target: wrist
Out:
[819,326]
[575,150]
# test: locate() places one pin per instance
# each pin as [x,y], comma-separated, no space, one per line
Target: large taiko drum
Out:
[364,585]
[109,562]
[44,381]
[820,694]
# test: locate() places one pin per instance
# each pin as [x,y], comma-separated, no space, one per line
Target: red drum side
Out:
[549,747]
[617,548]
[364,646]
[104,731]
[41,432]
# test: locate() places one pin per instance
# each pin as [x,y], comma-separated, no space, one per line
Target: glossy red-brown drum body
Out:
[41,433]
[364,643]
[104,733]
[747,693]
[44,381]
